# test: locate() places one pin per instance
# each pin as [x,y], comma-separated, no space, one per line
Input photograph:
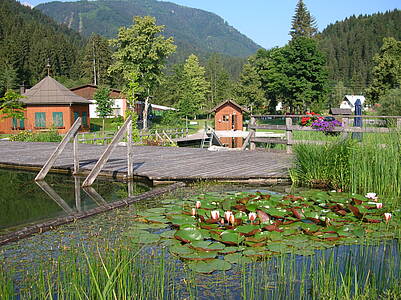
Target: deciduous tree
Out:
[104,104]
[387,70]
[141,49]
[11,106]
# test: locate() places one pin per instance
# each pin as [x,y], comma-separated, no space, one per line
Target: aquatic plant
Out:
[258,226]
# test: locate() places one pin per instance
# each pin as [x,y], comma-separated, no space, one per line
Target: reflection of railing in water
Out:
[90,191]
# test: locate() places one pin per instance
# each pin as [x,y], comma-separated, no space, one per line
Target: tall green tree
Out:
[97,59]
[387,70]
[8,78]
[303,24]
[195,88]
[307,85]
[143,50]
[390,103]
[271,67]
[249,91]
[104,104]
[11,106]
[220,84]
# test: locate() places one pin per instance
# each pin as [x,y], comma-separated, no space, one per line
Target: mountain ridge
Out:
[194,30]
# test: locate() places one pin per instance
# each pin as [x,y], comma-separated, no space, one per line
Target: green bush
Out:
[28,136]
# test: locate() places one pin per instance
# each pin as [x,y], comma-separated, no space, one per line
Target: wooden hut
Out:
[47,105]
[228,119]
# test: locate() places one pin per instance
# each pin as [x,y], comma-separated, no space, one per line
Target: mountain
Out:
[194,30]
[351,44]
[28,41]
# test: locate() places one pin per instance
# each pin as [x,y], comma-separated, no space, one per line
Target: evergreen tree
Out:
[219,79]
[97,60]
[303,24]
[195,88]
[249,91]
[387,70]
[307,85]
[141,49]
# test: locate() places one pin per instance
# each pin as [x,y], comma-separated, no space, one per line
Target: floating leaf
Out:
[189,234]
[210,266]
[237,258]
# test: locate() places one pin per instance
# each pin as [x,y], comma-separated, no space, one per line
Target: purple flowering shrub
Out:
[327,126]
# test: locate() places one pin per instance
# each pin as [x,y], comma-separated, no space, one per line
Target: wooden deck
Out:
[155,163]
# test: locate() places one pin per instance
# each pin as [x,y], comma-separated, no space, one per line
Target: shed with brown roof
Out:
[48,105]
[229,117]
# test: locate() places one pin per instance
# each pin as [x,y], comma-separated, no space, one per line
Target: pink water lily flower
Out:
[198,204]
[227,215]
[387,217]
[252,216]
[193,212]
[215,214]
[222,221]
[232,220]
[379,205]
[372,196]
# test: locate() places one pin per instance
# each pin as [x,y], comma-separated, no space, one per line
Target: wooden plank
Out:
[268,127]
[288,134]
[270,140]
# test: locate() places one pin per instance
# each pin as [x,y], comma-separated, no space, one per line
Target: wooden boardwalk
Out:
[155,163]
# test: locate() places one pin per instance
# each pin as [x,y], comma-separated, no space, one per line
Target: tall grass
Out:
[373,165]
[115,274]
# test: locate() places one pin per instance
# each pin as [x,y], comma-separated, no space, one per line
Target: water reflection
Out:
[24,201]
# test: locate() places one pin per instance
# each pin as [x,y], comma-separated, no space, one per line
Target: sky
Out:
[267,22]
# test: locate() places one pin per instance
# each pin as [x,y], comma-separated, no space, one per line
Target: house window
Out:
[40,120]
[226,118]
[76,116]
[58,119]
[15,124]
[84,119]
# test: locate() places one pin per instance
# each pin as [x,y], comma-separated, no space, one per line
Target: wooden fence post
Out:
[129,149]
[288,133]
[399,123]
[252,131]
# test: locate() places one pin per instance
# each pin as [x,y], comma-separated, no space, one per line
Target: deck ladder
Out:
[127,127]
[72,133]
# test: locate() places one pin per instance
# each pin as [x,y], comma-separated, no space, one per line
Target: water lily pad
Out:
[207,246]
[237,258]
[231,237]
[199,255]
[229,250]
[169,234]
[148,238]
[210,266]
[189,234]
[181,249]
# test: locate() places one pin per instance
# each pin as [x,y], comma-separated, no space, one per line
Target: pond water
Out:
[24,201]
[286,276]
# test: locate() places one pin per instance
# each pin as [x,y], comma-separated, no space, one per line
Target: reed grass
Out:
[373,165]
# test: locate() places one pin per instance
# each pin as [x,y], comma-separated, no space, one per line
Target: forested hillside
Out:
[351,44]
[28,39]
[194,31]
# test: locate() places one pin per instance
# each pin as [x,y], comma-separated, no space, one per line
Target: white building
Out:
[349,101]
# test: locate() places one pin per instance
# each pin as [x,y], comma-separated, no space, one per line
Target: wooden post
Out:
[288,133]
[77,186]
[399,123]
[345,122]
[75,150]
[252,132]
[129,150]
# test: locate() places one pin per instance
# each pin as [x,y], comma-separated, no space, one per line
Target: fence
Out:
[289,127]
[165,136]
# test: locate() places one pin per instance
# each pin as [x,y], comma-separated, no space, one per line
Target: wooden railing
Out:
[163,136]
[289,127]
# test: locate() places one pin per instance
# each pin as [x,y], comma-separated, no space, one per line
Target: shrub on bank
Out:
[29,136]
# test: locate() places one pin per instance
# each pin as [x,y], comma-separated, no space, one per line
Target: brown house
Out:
[229,118]
[47,105]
